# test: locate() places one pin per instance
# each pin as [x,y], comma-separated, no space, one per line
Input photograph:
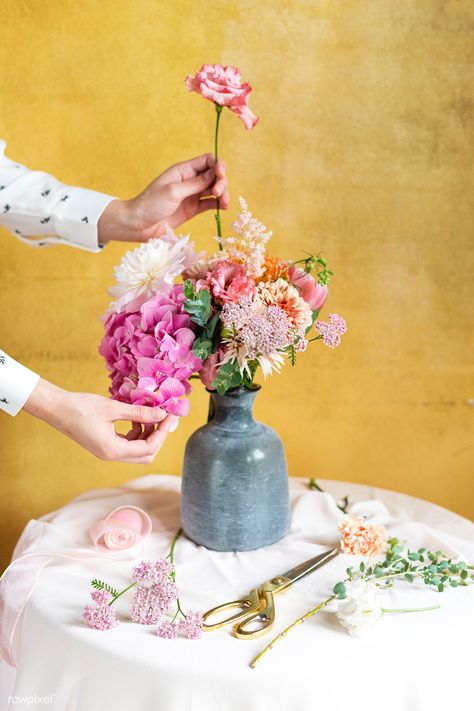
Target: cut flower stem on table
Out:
[357,595]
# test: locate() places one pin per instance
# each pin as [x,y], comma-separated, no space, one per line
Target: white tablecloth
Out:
[413,662]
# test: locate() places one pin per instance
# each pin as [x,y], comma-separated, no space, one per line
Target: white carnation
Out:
[359,611]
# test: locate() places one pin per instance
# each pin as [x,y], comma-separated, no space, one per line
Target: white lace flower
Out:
[149,269]
[359,611]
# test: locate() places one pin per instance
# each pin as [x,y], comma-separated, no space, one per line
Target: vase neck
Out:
[234,409]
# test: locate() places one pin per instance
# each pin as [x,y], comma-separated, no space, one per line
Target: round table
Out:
[411,662]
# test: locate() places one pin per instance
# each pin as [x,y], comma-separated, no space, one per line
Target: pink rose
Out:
[313,293]
[229,281]
[223,86]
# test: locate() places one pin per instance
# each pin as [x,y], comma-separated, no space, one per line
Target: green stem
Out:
[316,338]
[173,544]
[216,137]
[122,592]
[410,609]
[283,634]
[173,574]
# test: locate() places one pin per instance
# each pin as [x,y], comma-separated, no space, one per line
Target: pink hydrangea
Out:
[149,353]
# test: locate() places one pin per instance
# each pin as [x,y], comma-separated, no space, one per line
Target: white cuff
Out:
[76,218]
[16,384]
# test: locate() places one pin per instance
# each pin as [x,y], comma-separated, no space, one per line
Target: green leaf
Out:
[463,574]
[412,555]
[409,577]
[229,376]
[453,583]
[188,289]
[202,347]
[340,590]
[440,587]
[101,585]
[199,307]
[379,571]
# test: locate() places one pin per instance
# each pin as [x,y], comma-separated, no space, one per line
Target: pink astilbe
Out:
[191,627]
[332,331]
[101,597]
[248,247]
[103,616]
[358,537]
[149,353]
[155,591]
[257,333]
[167,630]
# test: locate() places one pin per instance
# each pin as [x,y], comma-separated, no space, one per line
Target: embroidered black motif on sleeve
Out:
[63,199]
[85,219]
[6,208]
[3,360]
[4,399]
[2,187]
[46,192]
[45,220]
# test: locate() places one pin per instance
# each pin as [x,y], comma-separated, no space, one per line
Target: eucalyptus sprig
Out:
[434,569]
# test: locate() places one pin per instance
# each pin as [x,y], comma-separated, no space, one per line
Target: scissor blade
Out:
[308,566]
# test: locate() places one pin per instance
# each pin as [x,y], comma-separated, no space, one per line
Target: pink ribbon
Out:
[124,528]
[114,537]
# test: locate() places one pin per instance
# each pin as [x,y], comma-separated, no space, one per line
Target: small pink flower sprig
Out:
[155,591]
[356,594]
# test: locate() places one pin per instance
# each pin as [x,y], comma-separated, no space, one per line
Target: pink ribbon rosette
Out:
[123,528]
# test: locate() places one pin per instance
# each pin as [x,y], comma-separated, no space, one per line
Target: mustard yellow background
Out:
[364,152]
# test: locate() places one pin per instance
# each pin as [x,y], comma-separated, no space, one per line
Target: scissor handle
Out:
[247,605]
[257,624]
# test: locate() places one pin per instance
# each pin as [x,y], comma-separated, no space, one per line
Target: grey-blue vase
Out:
[235,480]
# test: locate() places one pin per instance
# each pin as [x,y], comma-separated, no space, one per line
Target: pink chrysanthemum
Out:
[358,537]
[103,617]
[191,627]
[332,331]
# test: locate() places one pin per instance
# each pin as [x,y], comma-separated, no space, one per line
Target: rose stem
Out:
[282,634]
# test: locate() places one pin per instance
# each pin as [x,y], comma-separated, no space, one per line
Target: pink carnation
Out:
[149,353]
[229,281]
[358,537]
[223,86]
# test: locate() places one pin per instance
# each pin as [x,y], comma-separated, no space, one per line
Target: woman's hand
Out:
[181,192]
[89,421]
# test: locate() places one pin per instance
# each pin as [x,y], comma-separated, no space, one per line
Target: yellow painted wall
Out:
[364,151]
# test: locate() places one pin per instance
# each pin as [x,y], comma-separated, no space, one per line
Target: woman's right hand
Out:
[90,420]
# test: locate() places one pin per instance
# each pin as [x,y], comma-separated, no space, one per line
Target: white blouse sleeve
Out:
[16,384]
[39,210]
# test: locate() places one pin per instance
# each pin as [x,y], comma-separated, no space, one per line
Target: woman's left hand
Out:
[181,192]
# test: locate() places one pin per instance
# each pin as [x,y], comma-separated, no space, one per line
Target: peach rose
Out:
[223,86]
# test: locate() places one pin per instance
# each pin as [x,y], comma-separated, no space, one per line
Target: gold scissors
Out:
[256,611]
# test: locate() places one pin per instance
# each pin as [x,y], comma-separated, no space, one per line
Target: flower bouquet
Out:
[219,316]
